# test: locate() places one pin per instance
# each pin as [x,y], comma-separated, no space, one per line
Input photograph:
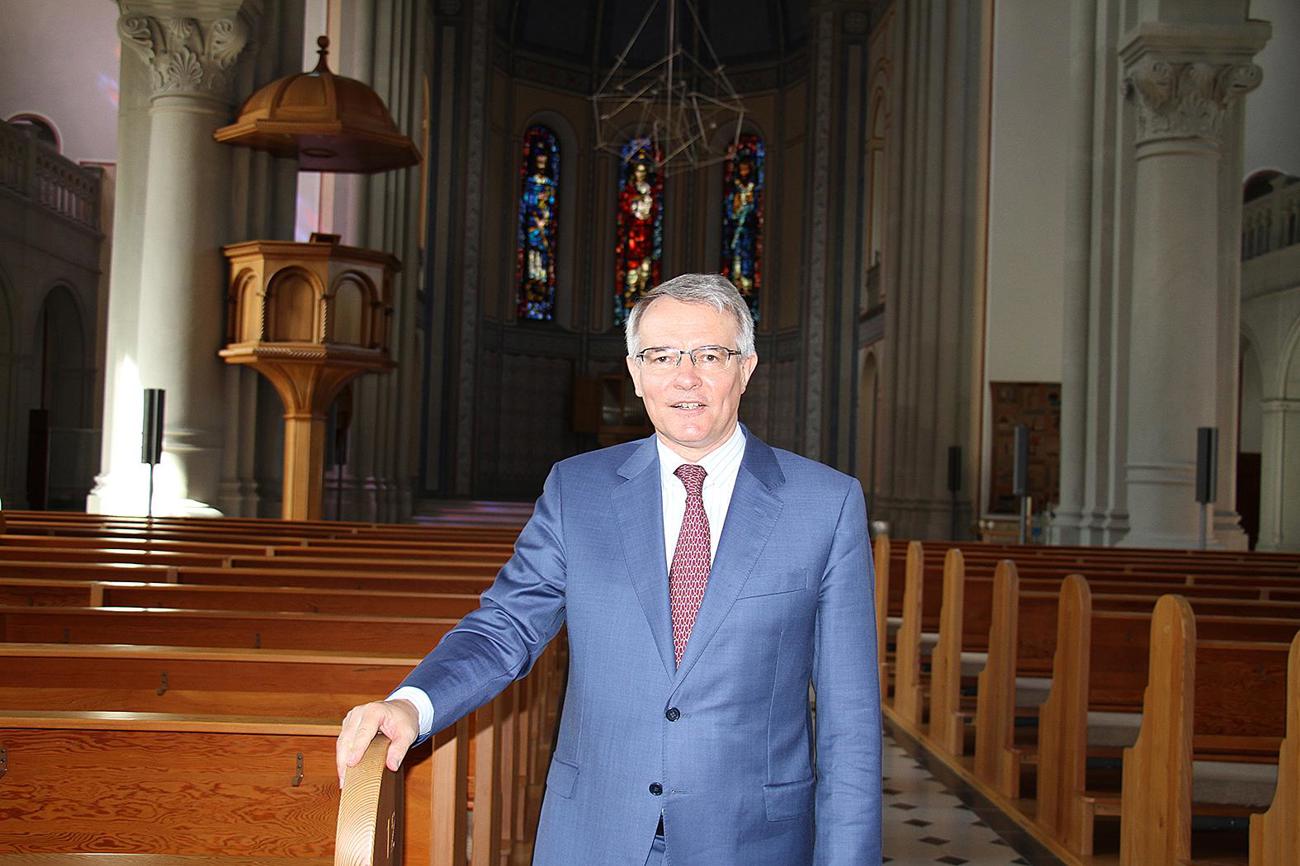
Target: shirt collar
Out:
[728,451]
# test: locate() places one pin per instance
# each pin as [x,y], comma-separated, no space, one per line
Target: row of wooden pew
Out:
[172,690]
[1072,685]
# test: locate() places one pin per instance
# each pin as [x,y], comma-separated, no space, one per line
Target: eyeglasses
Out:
[705,358]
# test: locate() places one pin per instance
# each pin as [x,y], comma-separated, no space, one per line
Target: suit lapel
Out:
[751,517]
[638,507]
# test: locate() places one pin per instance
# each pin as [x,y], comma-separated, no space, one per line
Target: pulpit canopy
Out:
[325,121]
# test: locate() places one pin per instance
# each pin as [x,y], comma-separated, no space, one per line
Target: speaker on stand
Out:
[151,444]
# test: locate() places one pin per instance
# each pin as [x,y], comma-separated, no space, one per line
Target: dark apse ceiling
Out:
[592,33]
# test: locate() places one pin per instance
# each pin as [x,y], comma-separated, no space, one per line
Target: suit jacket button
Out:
[673,714]
[656,788]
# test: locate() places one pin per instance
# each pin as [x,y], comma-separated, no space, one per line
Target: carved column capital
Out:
[1186,99]
[187,56]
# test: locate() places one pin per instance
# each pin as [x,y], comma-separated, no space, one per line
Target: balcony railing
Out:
[1271,222]
[34,171]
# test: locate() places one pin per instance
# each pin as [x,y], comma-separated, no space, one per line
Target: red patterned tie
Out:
[689,573]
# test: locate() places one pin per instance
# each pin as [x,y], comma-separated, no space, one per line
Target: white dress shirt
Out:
[722,465]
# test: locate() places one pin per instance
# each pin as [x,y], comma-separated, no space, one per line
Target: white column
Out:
[181,288]
[1182,91]
[1078,276]
[1279,507]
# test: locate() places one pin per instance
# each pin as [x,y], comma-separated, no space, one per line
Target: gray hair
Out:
[712,289]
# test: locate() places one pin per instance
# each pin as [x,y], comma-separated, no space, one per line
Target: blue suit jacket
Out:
[744,778]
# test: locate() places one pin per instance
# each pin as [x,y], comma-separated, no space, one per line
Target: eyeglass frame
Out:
[726,365]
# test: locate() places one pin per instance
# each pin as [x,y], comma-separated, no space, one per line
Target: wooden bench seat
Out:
[1203,696]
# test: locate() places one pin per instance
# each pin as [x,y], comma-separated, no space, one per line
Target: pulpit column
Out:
[1183,79]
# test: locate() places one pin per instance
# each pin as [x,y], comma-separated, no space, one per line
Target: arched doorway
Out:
[64,391]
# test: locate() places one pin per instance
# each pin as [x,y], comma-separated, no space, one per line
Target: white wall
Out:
[1272,121]
[59,59]
[1027,191]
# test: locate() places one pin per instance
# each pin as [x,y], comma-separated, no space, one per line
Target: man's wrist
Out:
[418,699]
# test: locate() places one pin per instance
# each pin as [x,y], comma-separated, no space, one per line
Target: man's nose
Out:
[687,376]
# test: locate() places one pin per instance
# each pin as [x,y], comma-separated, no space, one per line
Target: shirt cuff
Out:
[422,703]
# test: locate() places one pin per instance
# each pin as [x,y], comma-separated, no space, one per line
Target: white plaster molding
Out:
[186,56]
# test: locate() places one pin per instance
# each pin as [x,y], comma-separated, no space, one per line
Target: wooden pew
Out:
[1102,664]
[1275,834]
[1024,642]
[268,682]
[314,566]
[1219,699]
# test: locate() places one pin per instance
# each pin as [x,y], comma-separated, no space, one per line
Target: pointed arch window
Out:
[536,240]
[638,249]
[744,182]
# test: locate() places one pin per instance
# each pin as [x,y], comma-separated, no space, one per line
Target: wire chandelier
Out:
[679,103]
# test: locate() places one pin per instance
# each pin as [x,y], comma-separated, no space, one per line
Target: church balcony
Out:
[1270,240]
[33,171]
[1272,221]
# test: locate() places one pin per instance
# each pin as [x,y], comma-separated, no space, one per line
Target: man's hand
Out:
[398,720]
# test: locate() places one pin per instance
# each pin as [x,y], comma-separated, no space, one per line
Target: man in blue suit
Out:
[707,580]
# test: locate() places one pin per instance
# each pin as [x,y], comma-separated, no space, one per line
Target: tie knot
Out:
[692,476]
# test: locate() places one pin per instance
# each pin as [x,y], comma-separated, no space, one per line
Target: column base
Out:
[1227,532]
[126,492]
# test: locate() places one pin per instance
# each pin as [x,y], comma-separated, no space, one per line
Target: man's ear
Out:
[634,369]
[747,366]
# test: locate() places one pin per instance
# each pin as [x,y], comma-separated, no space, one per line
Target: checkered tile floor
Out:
[926,823]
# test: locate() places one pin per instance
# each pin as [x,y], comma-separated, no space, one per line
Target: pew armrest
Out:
[369,829]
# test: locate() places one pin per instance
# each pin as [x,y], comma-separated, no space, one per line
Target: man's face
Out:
[693,412]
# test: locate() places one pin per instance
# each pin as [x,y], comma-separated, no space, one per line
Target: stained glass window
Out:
[742,217]
[535,244]
[639,248]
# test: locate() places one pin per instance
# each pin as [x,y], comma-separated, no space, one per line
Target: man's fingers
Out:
[359,727]
[401,726]
[398,720]
[396,751]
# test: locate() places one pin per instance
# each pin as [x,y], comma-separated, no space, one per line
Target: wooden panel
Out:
[167,792]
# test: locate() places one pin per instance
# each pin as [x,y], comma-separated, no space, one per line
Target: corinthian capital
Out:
[1186,99]
[186,55]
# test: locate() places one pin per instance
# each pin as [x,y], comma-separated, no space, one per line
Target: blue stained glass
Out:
[536,238]
[743,188]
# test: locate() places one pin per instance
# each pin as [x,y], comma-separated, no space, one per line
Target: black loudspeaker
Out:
[151,445]
[1207,463]
[1020,476]
[954,468]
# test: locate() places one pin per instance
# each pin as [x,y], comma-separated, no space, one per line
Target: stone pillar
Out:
[1182,79]
[190,50]
[1279,513]
[1078,261]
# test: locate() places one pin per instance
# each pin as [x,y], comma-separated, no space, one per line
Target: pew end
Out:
[1275,834]
[370,811]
